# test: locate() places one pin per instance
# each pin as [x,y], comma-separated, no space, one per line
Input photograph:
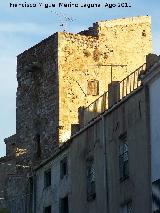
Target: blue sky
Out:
[21,28]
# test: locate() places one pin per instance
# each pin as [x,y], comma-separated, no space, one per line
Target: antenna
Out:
[64,20]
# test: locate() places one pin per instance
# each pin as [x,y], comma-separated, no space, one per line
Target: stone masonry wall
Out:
[11,145]
[7,166]
[84,58]
[129,40]
[37,99]
[17,197]
[54,78]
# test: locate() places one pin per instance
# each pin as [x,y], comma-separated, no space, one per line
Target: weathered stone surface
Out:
[37,99]
[83,58]
[7,166]
[54,80]
[17,196]
[11,145]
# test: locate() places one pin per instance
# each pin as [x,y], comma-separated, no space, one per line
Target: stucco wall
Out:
[129,116]
[154,89]
[59,187]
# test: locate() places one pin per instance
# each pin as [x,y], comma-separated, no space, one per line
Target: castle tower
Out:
[66,71]
[89,61]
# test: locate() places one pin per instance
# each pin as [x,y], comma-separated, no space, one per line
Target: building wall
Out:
[53,79]
[154,101]
[128,117]
[58,189]
[101,142]
[37,98]
[88,145]
[52,84]
[84,58]
[154,89]
[118,35]
[7,166]
[17,195]
[11,145]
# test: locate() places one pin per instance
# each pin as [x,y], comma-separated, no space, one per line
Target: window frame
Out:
[123,158]
[47,179]
[90,179]
[94,91]
[63,162]
[62,206]
[45,209]
[128,205]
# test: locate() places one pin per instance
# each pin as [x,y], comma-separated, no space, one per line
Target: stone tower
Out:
[66,71]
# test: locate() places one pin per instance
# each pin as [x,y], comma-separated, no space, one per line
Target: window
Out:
[91,188]
[93,87]
[47,209]
[127,208]
[47,178]
[64,208]
[123,158]
[63,167]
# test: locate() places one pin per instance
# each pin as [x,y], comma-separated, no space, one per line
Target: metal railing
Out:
[126,86]
[131,82]
[96,107]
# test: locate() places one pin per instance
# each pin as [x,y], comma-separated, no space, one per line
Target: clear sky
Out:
[21,28]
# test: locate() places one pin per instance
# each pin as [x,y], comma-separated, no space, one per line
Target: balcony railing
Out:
[131,82]
[126,86]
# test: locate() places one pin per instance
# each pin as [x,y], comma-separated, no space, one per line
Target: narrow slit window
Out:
[47,178]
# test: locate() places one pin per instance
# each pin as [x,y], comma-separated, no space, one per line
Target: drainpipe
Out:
[105,167]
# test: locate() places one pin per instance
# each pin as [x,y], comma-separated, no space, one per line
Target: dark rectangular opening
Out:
[63,167]
[47,178]
[123,157]
[47,209]
[91,180]
[64,208]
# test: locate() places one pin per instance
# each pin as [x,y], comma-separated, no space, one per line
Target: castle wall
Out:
[67,71]
[126,42]
[37,99]
[85,58]
[17,198]
[7,166]
[11,145]
[55,78]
